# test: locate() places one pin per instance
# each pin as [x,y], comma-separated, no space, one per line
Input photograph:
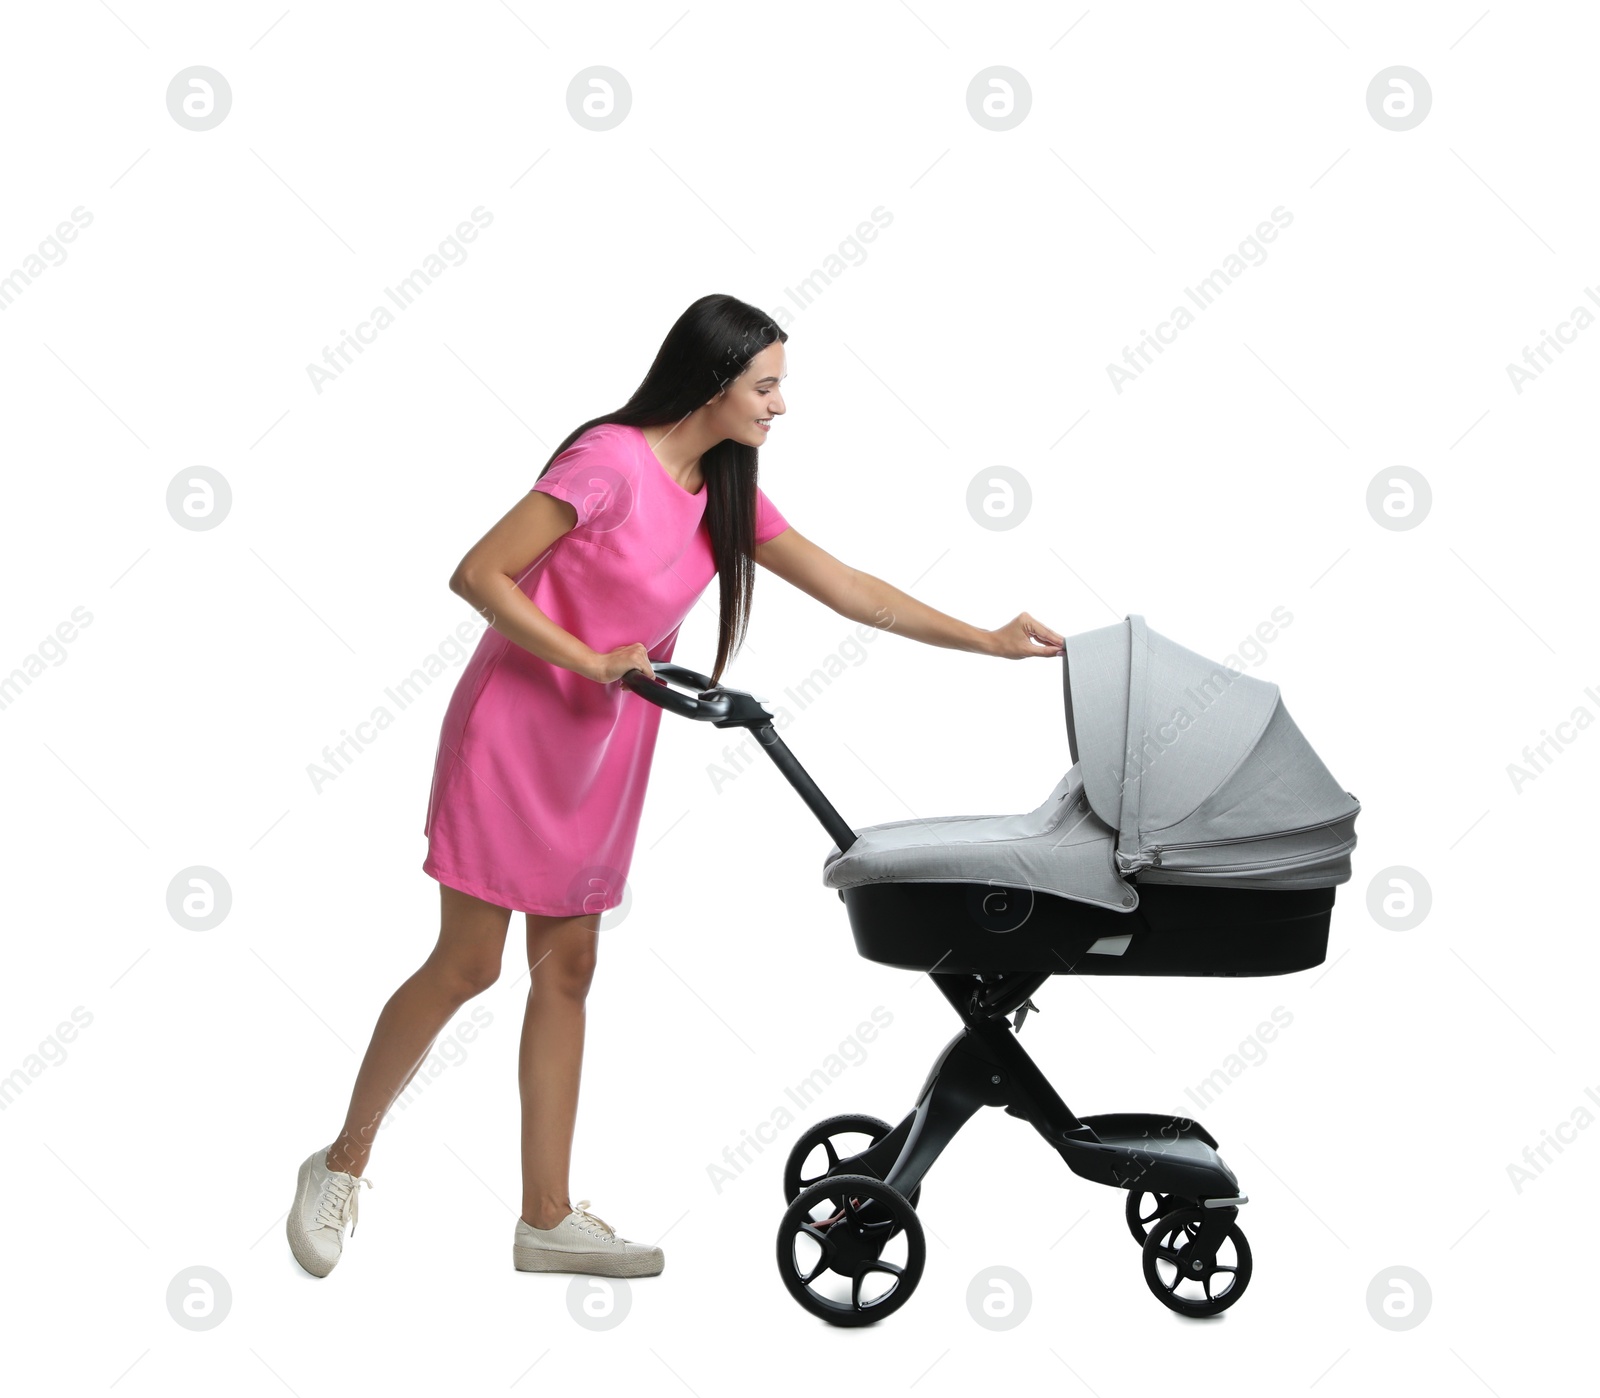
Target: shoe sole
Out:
[302,1250]
[598,1264]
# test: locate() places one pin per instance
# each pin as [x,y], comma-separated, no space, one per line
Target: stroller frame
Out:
[872,1193]
[986,1066]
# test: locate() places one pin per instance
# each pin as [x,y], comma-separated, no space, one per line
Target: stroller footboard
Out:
[1164,1154]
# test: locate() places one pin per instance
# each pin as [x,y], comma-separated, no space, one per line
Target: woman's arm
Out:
[862,597]
[487,578]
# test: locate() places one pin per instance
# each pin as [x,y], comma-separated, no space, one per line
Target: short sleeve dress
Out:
[540,772]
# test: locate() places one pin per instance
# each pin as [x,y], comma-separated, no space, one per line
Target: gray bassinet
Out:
[1184,772]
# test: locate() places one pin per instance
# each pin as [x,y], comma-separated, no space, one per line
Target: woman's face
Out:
[746,409]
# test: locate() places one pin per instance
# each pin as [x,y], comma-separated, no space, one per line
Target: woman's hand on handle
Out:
[1022,637]
[611,665]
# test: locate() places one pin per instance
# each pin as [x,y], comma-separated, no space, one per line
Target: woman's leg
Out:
[464,963]
[561,958]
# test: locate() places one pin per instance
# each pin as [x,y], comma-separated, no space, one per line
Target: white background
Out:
[1231,478]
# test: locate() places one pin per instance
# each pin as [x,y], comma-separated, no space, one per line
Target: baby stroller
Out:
[1196,834]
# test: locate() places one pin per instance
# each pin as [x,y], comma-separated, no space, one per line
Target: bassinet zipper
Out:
[1155,850]
[1287,861]
[1151,858]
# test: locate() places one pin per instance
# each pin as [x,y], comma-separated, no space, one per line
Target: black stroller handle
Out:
[733,708]
[711,704]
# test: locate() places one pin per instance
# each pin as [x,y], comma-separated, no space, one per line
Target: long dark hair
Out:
[707,348]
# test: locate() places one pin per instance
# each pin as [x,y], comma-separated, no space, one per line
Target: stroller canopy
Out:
[1198,769]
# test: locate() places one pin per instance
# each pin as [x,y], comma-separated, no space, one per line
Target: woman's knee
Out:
[471,944]
[460,973]
[566,966]
[471,976]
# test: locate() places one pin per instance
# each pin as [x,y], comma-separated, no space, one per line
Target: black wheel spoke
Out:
[822,1240]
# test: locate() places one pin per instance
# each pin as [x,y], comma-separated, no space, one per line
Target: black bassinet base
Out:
[1176,930]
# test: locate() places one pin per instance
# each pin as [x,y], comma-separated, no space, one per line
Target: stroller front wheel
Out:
[1183,1280]
[851,1249]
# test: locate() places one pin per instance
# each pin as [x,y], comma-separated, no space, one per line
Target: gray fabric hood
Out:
[1199,769]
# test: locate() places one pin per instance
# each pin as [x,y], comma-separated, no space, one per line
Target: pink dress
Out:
[540,772]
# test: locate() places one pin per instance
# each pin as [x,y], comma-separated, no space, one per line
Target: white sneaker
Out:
[583,1243]
[324,1201]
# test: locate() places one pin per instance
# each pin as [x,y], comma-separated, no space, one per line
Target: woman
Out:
[543,757]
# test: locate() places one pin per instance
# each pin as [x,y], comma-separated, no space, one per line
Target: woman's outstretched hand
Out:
[1019,639]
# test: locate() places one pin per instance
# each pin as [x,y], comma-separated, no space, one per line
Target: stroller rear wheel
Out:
[1146,1207]
[828,1134]
[851,1249]
[1186,1282]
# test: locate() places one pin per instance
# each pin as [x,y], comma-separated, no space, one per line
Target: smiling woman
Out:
[543,757]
